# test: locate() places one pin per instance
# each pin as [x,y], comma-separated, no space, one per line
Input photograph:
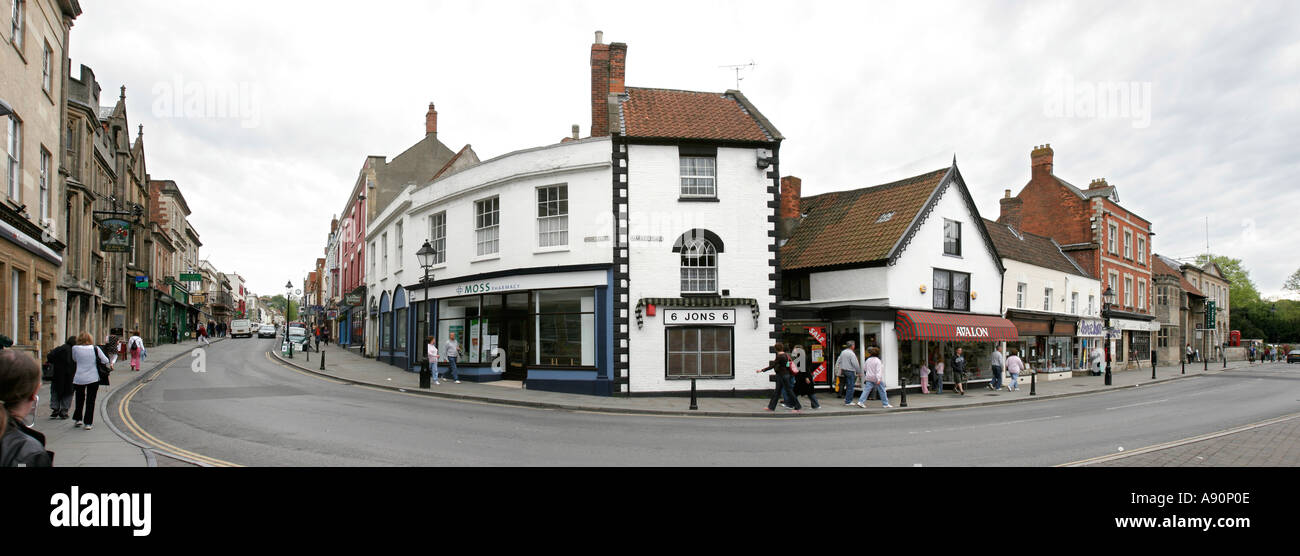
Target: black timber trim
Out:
[952,177]
[698,233]
[620,152]
[773,262]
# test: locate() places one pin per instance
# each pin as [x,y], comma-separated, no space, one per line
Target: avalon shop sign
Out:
[973,332]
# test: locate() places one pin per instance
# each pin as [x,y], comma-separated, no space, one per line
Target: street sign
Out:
[185,277]
[1211,309]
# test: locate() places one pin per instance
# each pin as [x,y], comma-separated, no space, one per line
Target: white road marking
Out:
[997,424]
[1137,404]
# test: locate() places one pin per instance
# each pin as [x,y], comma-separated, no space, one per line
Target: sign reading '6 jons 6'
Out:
[700,316]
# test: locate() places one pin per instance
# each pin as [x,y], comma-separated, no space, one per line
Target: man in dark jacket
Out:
[61,387]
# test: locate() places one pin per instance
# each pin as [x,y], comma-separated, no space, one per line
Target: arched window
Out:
[699,266]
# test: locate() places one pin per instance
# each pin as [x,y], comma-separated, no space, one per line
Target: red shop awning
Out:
[950,327]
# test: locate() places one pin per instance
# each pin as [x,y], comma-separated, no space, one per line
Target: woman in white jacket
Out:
[135,347]
[85,384]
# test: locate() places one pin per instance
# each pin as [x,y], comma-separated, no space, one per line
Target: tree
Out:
[1242,292]
[1293,283]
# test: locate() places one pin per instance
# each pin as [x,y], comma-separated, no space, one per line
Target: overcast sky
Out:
[864,92]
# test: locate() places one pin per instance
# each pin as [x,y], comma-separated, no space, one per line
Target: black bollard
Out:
[694,405]
[322,360]
[307,352]
[290,350]
[1184,366]
[1207,364]
[426,376]
[902,392]
[1153,369]
[1225,360]
[1033,384]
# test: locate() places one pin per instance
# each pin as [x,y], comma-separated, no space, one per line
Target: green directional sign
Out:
[1211,311]
[191,277]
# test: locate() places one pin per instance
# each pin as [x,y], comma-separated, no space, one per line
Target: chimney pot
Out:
[1006,194]
[431,121]
[1040,161]
[600,37]
[575,131]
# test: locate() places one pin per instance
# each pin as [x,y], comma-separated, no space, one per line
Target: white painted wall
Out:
[739,218]
[1062,284]
[584,166]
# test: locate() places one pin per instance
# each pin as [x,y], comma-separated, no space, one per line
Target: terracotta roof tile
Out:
[846,227]
[1031,248]
[664,113]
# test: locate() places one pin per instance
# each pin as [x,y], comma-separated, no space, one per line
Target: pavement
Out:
[346,365]
[104,446]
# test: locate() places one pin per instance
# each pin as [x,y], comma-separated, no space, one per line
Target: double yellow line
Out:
[124,413]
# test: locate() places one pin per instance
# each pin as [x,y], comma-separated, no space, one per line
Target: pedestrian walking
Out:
[85,383]
[873,378]
[135,348]
[1097,358]
[937,359]
[110,348]
[850,368]
[959,373]
[203,334]
[20,383]
[431,346]
[1250,354]
[998,361]
[60,358]
[803,386]
[782,390]
[452,352]
[1190,354]
[1014,366]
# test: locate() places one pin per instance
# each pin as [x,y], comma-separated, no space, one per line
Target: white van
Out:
[241,327]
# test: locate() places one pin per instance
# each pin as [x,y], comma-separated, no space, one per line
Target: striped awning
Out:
[951,327]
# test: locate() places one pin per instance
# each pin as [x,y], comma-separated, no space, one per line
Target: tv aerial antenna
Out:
[737,68]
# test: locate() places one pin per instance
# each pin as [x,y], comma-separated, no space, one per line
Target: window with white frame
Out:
[553,216]
[373,256]
[45,184]
[1128,291]
[1142,294]
[699,176]
[1047,299]
[1074,303]
[1112,238]
[47,61]
[1091,300]
[1021,289]
[1128,244]
[14,147]
[399,242]
[487,225]
[16,30]
[1142,250]
[699,267]
[438,237]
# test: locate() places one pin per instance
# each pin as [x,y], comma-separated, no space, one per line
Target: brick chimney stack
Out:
[1011,209]
[1040,161]
[431,121]
[1098,183]
[790,211]
[608,72]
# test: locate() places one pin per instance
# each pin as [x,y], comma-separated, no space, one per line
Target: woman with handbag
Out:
[90,374]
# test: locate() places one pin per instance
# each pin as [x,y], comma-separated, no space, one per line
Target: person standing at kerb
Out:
[997,364]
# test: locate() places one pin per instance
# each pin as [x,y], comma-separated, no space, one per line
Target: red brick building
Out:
[1109,241]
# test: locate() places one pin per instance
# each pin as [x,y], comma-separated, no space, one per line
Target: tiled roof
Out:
[665,113]
[1031,249]
[1162,265]
[848,227]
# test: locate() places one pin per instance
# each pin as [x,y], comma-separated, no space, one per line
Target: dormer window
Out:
[952,238]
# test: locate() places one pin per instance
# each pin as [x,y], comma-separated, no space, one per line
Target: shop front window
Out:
[565,327]
[399,325]
[457,316]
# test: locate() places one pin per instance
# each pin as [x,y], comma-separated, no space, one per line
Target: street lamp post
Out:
[1107,299]
[426,256]
[288,295]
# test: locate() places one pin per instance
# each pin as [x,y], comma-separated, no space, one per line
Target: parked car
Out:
[298,337]
[1293,357]
[266,331]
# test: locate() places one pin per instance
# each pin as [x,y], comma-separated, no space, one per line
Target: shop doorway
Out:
[517,319]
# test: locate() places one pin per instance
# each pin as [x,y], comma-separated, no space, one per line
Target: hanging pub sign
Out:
[353,299]
[115,235]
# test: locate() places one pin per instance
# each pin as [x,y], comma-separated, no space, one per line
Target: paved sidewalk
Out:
[346,365]
[1272,445]
[102,446]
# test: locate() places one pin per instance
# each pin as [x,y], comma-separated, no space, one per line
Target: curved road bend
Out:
[249,410]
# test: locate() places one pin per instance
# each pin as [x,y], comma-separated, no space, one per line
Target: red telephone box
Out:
[1234,338]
